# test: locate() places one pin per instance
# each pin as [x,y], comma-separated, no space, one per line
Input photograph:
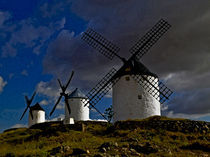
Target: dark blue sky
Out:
[40,41]
[23,70]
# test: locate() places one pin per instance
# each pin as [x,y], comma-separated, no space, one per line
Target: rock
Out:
[56,150]
[66,148]
[133,150]
[78,151]
[116,144]
[146,149]
[103,150]
[88,152]
[105,146]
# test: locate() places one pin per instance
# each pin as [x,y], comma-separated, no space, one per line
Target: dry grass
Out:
[102,138]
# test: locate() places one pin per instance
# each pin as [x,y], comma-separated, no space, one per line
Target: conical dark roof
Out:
[77,94]
[36,107]
[134,67]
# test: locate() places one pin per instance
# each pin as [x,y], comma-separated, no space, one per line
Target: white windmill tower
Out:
[130,100]
[38,115]
[77,101]
[137,92]
[36,112]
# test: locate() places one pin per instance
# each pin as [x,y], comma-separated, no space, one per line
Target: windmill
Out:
[65,95]
[36,112]
[77,100]
[137,92]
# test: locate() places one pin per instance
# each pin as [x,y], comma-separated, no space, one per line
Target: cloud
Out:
[187,116]
[27,33]
[44,102]
[62,116]
[24,73]
[10,114]
[46,89]
[180,58]
[11,75]
[4,16]
[60,106]
[2,84]
[52,91]
[19,126]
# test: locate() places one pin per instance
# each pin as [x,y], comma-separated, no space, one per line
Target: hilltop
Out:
[154,136]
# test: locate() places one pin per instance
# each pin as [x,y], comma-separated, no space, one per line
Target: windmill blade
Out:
[32,96]
[97,111]
[98,92]
[72,74]
[26,99]
[55,105]
[60,84]
[101,44]
[24,112]
[149,39]
[28,102]
[158,90]
[67,103]
[32,117]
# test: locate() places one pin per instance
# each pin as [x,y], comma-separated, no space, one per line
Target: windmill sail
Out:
[102,88]
[150,84]
[149,39]
[101,44]
[28,102]
[157,89]
[63,94]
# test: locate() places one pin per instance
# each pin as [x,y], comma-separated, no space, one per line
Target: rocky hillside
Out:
[154,136]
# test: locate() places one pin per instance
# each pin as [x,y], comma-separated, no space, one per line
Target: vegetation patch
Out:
[154,136]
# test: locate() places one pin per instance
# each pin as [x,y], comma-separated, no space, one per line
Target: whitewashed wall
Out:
[131,101]
[78,111]
[38,117]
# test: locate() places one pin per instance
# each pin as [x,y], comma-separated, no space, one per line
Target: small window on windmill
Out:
[127,78]
[139,96]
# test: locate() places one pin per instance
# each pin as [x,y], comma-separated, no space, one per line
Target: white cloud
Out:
[46,89]
[60,106]
[26,34]
[19,126]
[44,102]
[62,116]
[171,114]
[2,84]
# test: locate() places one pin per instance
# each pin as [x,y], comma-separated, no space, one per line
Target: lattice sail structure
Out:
[150,38]
[102,88]
[157,89]
[101,44]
